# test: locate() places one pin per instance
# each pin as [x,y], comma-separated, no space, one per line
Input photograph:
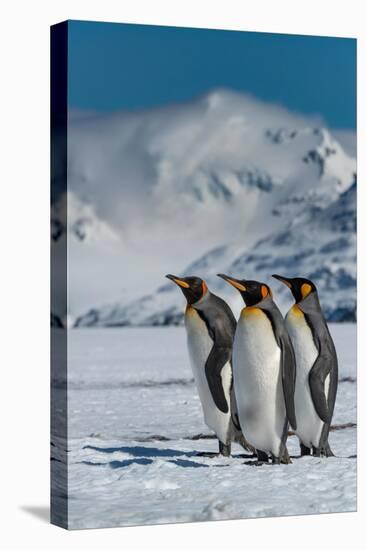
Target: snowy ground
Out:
[133,417]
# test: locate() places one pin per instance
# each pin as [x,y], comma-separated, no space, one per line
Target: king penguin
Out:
[210,326]
[264,372]
[317,367]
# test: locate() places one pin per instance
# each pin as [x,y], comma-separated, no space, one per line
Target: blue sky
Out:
[122,66]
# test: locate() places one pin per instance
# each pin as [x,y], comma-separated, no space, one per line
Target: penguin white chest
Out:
[199,347]
[258,382]
[309,425]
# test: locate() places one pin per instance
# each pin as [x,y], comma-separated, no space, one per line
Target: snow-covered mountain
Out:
[320,245]
[220,182]
[83,223]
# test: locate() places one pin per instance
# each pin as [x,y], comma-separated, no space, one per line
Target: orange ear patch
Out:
[264,291]
[305,289]
[204,287]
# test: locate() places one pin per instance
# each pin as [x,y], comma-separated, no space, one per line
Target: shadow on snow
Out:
[144,456]
[142,451]
[114,464]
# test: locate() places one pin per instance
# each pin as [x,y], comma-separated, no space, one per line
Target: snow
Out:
[133,414]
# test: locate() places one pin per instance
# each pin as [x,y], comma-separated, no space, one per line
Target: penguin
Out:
[317,367]
[210,327]
[264,372]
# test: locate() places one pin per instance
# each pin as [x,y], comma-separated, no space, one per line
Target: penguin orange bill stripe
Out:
[283,280]
[178,281]
[181,283]
[233,282]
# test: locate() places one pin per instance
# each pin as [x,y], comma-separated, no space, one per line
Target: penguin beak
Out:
[177,281]
[234,282]
[283,280]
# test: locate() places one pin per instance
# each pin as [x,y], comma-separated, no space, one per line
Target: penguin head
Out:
[252,292]
[300,287]
[193,288]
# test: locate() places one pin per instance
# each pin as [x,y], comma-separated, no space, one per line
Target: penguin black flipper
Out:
[221,331]
[217,359]
[288,361]
[317,376]
[324,364]
[288,372]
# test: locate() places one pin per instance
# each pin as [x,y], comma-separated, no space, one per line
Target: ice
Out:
[133,418]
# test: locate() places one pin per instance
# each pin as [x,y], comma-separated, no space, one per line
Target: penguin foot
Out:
[328,451]
[224,450]
[323,452]
[283,457]
[304,450]
[262,459]
[276,460]
[262,456]
[283,460]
